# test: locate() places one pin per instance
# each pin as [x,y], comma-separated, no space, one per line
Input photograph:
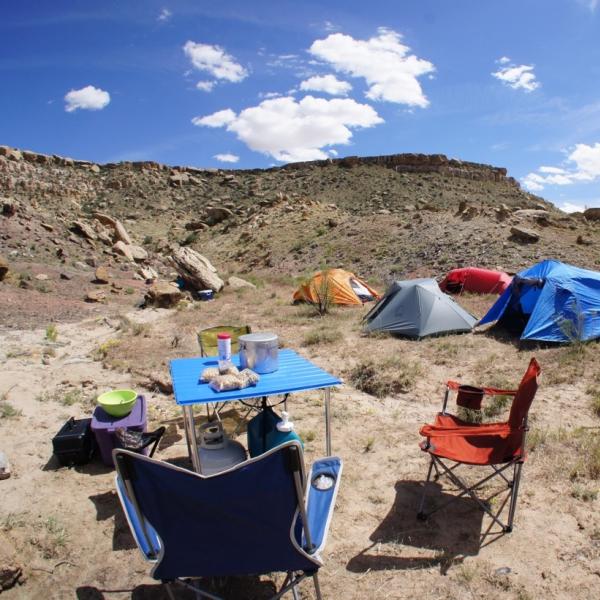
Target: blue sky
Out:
[238,84]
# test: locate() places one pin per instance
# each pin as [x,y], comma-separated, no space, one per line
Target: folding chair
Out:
[207,338]
[499,446]
[260,516]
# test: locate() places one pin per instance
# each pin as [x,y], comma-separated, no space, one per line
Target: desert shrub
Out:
[51,333]
[587,446]
[8,411]
[594,392]
[321,335]
[384,378]
[323,302]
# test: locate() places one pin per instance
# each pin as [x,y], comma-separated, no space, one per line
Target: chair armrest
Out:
[149,545]
[321,502]
[474,431]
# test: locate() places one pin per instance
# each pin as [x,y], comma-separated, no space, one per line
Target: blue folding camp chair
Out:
[261,516]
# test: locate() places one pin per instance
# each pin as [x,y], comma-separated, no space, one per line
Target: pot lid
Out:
[258,337]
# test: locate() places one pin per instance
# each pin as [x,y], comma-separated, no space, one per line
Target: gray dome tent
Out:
[417,308]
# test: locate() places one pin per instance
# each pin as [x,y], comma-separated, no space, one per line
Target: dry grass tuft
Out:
[385,377]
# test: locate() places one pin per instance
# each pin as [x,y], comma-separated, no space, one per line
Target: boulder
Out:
[217,214]
[121,233]
[163,295]
[532,213]
[147,274]
[138,253]
[195,226]
[101,275]
[196,270]
[178,179]
[3,267]
[524,235]
[123,249]
[238,282]
[105,219]
[83,229]
[9,206]
[592,214]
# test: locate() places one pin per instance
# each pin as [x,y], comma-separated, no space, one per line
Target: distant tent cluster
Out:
[551,302]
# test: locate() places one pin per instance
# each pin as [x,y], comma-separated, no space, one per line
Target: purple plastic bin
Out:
[105,425]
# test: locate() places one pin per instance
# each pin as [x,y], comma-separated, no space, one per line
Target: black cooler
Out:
[74,443]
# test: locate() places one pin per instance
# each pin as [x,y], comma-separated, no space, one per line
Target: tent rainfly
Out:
[473,279]
[551,302]
[418,308]
[341,286]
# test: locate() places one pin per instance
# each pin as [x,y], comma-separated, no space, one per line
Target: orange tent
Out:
[342,286]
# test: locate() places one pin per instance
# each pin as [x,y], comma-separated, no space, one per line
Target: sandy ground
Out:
[65,526]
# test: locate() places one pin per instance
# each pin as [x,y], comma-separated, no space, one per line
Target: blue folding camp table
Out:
[295,374]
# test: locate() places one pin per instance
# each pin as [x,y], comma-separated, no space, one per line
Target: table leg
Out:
[327,394]
[190,434]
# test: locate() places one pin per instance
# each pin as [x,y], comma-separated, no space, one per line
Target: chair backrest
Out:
[239,522]
[207,338]
[525,395]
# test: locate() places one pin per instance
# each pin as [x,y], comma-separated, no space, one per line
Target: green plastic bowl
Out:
[118,403]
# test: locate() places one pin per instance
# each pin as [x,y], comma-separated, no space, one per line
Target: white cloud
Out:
[218,119]
[215,61]
[227,158]
[269,95]
[206,86]
[586,168]
[570,207]
[87,98]
[290,130]
[165,15]
[516,76]
[329,84]
[385,63]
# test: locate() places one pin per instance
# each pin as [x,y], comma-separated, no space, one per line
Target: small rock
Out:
[47,226]
[83,229]
[584,241]
[95,296]
[524,235]
[66,276]
[138,253]
[10,576]
[147,274]
[238,282]
[4,466]
[9,207]
[160,381]
[101,275]
[41,277]
[123,249]
[3,267]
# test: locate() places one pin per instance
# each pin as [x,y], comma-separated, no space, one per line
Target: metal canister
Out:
[259,352]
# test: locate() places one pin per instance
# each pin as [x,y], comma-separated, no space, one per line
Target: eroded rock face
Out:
[163,295]
[124,250]
[196,270]
[592,214]
[83,229]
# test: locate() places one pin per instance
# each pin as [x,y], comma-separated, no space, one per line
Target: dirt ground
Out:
[65,526]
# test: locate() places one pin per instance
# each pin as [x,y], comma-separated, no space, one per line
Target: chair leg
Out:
[170,591]
[317,586]
[421,515]
[513,496]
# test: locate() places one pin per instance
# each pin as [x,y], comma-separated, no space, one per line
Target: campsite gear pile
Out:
[74,442]
[337,287]
[418,308]
[259,352]
[551,302]
[217,452]
[105,426]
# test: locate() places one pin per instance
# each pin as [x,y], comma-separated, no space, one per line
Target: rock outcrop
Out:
[196,270]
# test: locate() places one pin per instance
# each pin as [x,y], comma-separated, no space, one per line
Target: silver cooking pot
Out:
[259,352]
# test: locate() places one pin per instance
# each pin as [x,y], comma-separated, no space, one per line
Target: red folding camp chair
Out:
[499,446]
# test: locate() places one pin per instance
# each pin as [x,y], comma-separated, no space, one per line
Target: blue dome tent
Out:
[551,302]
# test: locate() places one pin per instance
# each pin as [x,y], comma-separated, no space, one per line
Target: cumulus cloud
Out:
[87,98]
[516,76]
[165,15]
[329,84]
[227,158]
[206,86]
[218,119]
[585,168]
[383,61]
[570,207]
[291,130]
[214,60]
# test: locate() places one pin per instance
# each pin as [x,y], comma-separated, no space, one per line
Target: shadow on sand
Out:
[452,533]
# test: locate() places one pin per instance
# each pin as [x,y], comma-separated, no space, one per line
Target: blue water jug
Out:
[264,432]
